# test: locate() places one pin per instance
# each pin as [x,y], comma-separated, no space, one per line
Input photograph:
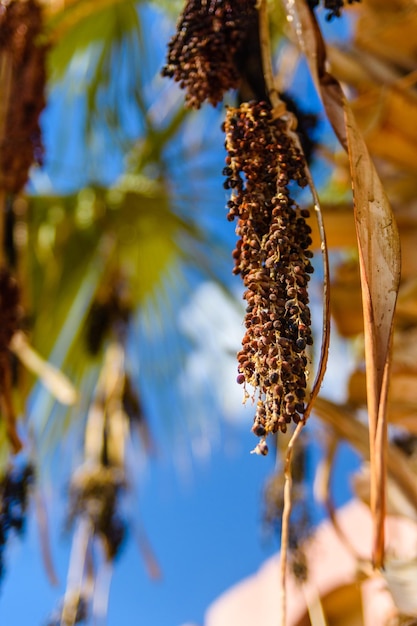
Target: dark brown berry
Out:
[262,160]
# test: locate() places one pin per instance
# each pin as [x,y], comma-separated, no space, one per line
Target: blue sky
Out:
[206,533]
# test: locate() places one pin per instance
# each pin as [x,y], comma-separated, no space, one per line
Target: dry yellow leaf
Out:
[379,253]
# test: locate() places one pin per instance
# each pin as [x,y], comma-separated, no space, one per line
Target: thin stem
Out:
[76,572]
[278,105]
[286,522]
[281,111]
[101,592]
[107,401]
[325,338]
[326,498]
[315,609]
[347,427]
[53,379]
[44,534]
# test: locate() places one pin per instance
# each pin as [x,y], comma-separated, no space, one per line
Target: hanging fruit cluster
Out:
[201,55]
[263,163]
[273,258]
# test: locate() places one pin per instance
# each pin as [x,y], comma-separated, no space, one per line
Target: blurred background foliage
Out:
[141,207]
[125,220]
[110,242]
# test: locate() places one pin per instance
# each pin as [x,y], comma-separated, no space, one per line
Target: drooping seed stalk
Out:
[201,55]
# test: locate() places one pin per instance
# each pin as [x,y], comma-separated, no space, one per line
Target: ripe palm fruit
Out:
[272,255]
[202,53]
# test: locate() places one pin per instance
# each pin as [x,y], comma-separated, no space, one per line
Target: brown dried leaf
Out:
[345,426]
[387,30]
[379,253]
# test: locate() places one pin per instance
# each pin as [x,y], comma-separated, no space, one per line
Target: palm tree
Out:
[118,226]
[123,221]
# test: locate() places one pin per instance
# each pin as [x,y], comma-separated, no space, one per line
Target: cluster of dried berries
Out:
[21,145]
[333,7]
[202,53]
[95,493]
[273,257]
[14,489]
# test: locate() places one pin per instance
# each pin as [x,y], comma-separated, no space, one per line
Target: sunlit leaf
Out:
[379,254]
[58,384]
[82,23]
